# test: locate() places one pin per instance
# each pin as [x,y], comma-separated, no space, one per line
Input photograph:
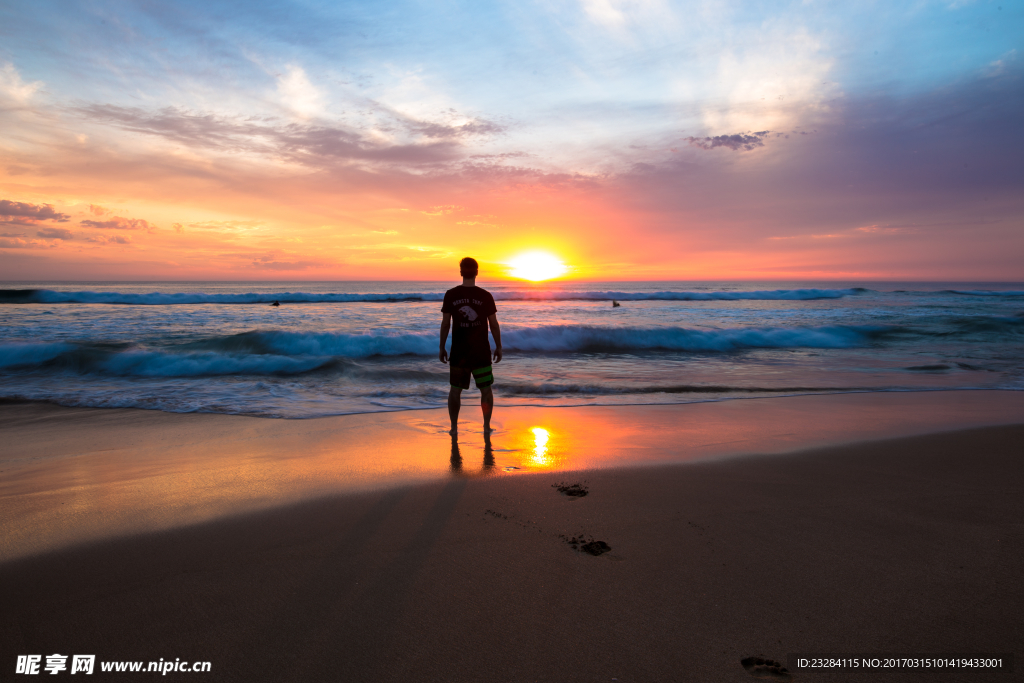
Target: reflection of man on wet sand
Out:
[468,311]
[456,459]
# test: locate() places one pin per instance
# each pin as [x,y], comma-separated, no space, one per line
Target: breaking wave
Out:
[288,353]
[47,296]
[582,338]
[278,352]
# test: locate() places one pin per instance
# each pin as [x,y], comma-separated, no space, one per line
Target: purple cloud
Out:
[312,144]
[23,213]
[118,223]
[109,239]
[735,142]
[55,234]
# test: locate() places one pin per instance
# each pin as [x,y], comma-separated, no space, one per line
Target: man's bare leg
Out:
[454,403]
[487,406]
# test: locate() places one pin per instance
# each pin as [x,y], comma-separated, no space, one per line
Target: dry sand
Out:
[911,544]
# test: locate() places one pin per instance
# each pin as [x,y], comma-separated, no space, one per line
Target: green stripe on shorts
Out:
[483,376]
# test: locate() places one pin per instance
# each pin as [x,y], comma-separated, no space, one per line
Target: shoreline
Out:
[838,392]
[77,475]
[909,544]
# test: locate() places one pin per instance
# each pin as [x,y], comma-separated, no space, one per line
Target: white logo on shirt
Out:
[468,312]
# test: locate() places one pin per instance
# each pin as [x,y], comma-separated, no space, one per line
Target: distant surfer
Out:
[276,303]
[615,304]
[472,311]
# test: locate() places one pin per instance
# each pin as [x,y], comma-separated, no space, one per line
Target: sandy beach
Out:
[373,548]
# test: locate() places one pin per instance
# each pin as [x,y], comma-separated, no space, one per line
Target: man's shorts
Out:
[460,377]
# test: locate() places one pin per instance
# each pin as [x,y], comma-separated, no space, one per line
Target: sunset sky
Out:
[632,139]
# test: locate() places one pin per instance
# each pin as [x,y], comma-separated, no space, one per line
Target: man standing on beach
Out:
[473,311]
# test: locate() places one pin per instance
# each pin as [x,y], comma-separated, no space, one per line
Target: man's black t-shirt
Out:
[469,308]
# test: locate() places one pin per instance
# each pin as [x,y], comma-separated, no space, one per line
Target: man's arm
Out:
[446,325]
[492,320]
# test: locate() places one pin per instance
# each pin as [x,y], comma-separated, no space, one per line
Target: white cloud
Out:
[14,87]
[764,87]
[646,16]
[999,66]
[604,12]
[410,94]
[298,94]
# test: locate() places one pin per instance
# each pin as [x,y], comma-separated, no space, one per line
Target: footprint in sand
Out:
[595,547]
[759,667]
[586,544]
[571,490]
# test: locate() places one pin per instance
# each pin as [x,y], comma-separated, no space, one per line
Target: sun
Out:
[537,266]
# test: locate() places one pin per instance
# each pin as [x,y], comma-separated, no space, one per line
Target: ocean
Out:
[333,348]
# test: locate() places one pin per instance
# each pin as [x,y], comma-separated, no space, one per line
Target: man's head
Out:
[468,267]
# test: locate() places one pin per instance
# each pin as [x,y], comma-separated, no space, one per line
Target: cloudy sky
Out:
[635,139]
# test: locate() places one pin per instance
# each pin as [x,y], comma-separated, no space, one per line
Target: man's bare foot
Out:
[454,431]
[487,429]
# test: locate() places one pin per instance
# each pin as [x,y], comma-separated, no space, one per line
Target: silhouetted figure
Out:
[276,303]
[467,312]
[615,304]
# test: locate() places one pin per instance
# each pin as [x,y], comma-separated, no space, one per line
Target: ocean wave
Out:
[47,296]
[998,325]
[28,353]
[545,339]
[983,292]
[334,344]
[547,389]
[582,338]
[760,295]
[541,389]
[143,362]
[280,352]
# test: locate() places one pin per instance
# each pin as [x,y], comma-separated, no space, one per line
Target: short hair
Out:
[468,267]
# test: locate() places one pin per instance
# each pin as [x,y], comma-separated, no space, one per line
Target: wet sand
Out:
[458,570]
[74,475]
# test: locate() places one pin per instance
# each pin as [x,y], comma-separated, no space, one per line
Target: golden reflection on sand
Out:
[519,448]
[540,445]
